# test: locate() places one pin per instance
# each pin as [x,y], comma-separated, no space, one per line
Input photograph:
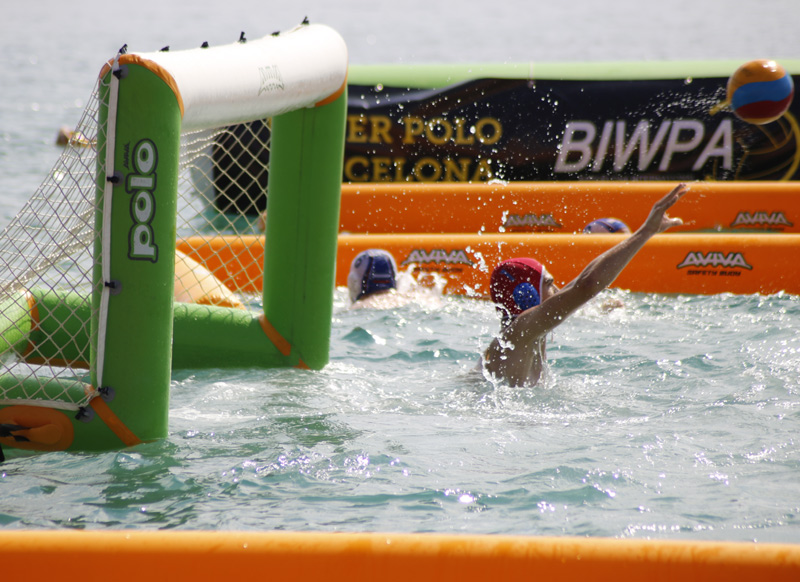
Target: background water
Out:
[673,417]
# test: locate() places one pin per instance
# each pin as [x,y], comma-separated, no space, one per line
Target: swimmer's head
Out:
[517,285]
[606,226]
[371,271]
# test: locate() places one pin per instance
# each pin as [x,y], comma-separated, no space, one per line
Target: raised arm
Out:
[509,355]
[603,270]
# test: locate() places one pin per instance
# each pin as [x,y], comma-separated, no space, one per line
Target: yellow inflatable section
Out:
[196,284]
[133,556]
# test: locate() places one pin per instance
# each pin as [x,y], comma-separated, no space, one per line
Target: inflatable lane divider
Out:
[564,207]
[436,75]
[334,557]
[689,263]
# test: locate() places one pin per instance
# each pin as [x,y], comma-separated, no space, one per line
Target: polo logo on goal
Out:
[141,185]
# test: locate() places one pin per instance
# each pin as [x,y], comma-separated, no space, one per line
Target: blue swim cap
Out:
[606,225]
[371,271]
[526,296]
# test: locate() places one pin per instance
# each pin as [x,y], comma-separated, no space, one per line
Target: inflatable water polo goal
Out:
[90,270]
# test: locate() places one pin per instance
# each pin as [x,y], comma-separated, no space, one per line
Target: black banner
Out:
[507,129]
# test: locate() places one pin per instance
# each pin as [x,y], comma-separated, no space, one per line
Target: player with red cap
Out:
[517,285]
[530,304]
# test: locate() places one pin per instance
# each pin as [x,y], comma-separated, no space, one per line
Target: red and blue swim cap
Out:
[516,285]
[371,271]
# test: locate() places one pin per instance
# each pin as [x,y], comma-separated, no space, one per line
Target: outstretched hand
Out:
[658,221]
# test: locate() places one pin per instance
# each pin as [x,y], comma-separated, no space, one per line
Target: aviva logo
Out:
[714,259]
[454,257]
[530,220]
[761,219]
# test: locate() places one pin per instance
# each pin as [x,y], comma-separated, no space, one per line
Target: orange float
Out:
[38,428]
[342,557]
[688,263]
[235,261]
[564,207]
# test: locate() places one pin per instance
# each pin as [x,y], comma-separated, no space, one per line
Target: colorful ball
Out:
[760,91]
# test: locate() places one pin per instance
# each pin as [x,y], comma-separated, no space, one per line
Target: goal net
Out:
[59,254]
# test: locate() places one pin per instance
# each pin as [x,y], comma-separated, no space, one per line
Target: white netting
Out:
[223,181]
[222,190]
[46,258]
[46,252]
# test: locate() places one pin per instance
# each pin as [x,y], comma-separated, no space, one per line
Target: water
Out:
[673,417]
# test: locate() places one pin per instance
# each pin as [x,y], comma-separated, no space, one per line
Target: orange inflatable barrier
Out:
[689,263]
[236,261]
[343,557]
[563,207]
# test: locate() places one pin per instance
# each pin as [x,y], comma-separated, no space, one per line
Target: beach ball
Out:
[760,91]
